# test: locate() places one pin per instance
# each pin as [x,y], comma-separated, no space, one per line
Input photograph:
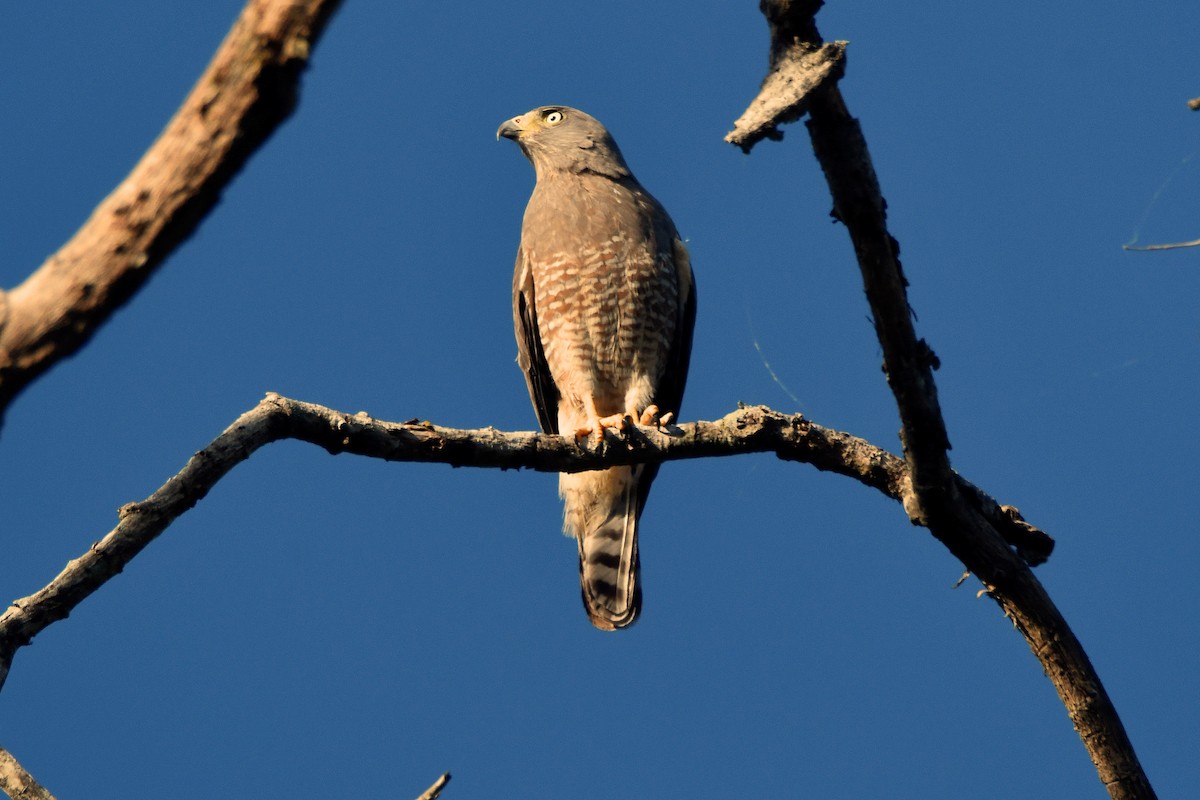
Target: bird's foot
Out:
[598,425]
[617,421]
[653,418]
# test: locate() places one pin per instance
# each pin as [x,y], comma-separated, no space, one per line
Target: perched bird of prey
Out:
[603,306]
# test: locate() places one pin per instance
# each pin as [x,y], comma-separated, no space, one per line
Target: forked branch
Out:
[937,499]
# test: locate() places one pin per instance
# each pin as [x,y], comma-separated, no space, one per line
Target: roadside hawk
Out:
[603,306]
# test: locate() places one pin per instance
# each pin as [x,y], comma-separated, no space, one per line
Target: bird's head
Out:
[558,138]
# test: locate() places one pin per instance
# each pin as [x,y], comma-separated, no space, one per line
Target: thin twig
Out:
[937,499]
[1142,248]
[247,91]
[754,429]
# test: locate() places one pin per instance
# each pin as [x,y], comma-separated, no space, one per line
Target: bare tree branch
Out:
[937,500]
[17,783]
[786,92]
[433,791]
[749,430]
[247,91]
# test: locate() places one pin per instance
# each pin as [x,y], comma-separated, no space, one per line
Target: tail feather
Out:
[601,512]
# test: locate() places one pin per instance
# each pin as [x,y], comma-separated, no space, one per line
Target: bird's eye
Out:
[553,117]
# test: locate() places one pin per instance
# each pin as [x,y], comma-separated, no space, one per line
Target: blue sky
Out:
[323,625]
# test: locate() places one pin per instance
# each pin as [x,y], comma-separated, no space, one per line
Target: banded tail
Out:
[601,511]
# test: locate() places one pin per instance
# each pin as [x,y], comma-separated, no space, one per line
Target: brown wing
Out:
[530,356]
[669,393]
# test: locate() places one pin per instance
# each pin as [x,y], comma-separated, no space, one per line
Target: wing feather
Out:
[530,356]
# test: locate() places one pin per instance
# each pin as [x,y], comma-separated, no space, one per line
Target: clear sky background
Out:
[324,626]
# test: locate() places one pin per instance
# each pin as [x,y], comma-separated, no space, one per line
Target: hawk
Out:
[603,307]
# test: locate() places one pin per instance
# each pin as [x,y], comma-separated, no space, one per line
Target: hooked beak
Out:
[511,129]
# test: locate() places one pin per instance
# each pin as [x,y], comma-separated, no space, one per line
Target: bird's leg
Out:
[595,423]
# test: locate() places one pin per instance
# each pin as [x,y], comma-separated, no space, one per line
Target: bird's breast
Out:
[605,286]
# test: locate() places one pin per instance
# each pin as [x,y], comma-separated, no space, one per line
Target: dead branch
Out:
[937,499]
[749,430]
[16,782]
[436,789]
[247,91]
[786,92]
